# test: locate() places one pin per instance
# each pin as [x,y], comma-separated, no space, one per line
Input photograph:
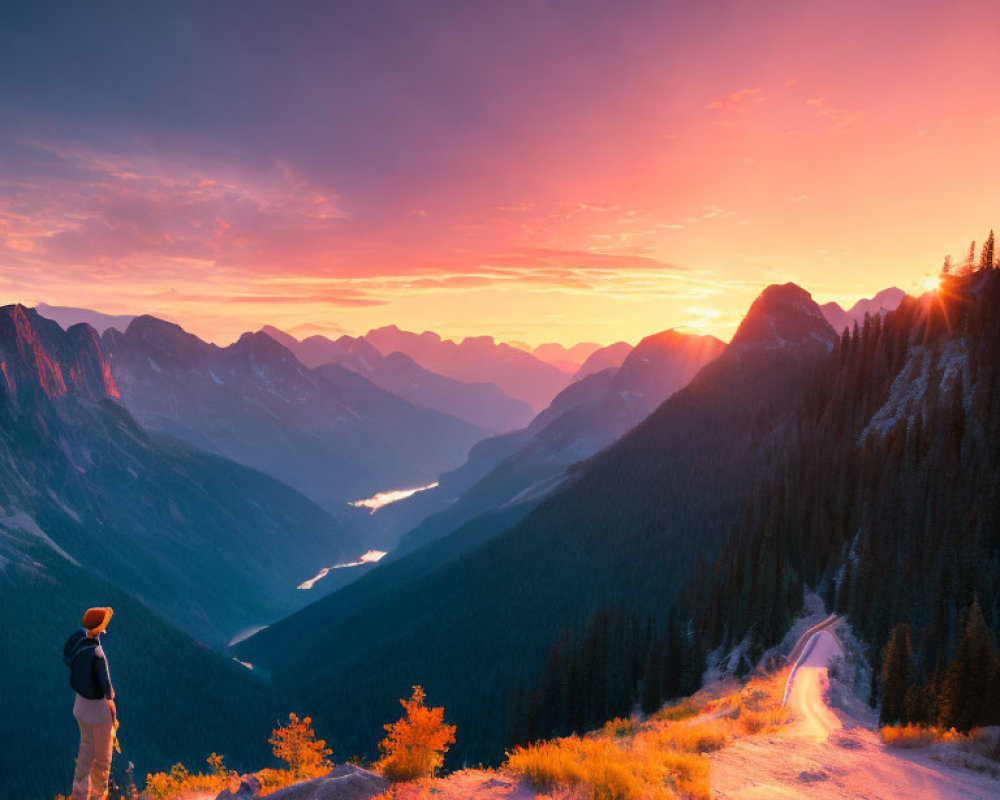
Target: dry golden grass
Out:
[910,736]
[180,783]
[762,721]
[663,757]
[691,773]
[168,785]
[677,711]
[619,726]
[602,769]
[273,779]
[756,708]
[694,737]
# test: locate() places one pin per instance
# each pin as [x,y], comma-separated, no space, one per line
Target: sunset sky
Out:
[537,171]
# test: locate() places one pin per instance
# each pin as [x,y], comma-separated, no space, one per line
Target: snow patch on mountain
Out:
[245,634]
[537,490]
[69,512]
[21,521]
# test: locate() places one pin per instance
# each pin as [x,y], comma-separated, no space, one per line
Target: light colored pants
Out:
[93,763]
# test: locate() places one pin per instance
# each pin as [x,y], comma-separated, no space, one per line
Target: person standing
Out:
[94,708]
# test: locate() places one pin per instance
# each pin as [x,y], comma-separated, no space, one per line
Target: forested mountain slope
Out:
[886,499]
[628,528]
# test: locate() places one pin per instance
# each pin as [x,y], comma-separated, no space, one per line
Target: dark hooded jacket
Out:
[88,667]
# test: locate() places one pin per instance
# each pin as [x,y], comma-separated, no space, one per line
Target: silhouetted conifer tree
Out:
[968,692]
[896,670]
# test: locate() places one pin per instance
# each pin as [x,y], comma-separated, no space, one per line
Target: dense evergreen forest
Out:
[597,672]
[888,502]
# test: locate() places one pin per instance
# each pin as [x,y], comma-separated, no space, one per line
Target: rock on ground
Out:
[249,789]
[343,782]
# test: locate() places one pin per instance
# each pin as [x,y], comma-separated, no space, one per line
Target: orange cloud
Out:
[841,117]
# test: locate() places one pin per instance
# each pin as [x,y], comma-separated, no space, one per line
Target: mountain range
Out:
[217,546]
[683,484]
[477,359]
[879,305]
[329,432]
[481,404]
[518,469]
[568,359]
[68,316]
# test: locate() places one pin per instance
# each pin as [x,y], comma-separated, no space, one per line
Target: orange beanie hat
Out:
[96,620]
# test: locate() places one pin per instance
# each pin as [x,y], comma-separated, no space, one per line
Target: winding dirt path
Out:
[828,753]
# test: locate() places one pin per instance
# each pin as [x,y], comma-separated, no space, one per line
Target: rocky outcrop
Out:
[249,788]
[38,359]
[343,782]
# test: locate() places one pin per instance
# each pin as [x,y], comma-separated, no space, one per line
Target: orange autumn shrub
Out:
[296,744]
[179,782]
[416,743]
[909,735]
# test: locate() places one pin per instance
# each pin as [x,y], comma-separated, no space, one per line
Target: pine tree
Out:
[968,690]
[986,260]
[896,675]
[652,678]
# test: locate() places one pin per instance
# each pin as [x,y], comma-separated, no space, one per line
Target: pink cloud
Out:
[738,101]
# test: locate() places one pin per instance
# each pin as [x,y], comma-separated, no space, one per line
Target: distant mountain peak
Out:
[483,339]
[68,316]
[671,336]
[784,316]
[150,328]
[280,336]
[883,302]
[261,347]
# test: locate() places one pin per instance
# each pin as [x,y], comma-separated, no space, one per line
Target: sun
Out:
[930,283]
